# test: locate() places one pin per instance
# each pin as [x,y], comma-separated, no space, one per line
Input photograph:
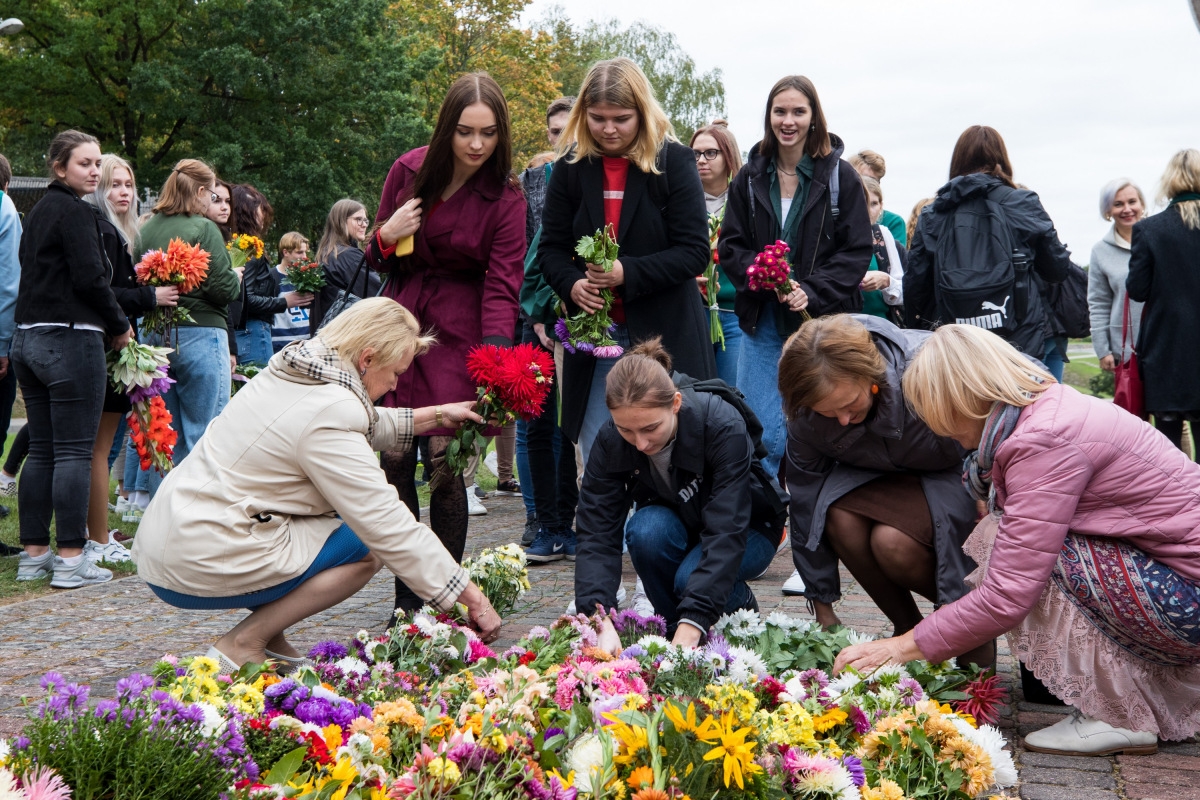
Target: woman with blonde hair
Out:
[289,513]
[1088,554]
[1164,273]
[871,485]
[1122,203]
[200,361]
[340,254]
[623,167]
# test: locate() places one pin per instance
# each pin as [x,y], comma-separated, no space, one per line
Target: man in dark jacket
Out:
[707,519]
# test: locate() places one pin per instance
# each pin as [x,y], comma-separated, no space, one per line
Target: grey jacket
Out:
[1107,271]
[826,461]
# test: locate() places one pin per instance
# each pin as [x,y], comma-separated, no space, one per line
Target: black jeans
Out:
[8,395]
[62,375]
[555,491]
[18,451]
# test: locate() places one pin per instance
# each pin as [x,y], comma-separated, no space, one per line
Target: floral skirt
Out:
[1115,634]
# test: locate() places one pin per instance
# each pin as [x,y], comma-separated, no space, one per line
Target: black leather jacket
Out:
[260,292]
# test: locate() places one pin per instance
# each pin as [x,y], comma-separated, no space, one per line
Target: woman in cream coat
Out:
[284,489]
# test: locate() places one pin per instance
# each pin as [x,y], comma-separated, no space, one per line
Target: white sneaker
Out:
[640,603]
[475,508]
[84,573]
[794,585]
[113,552]
[1079,735]
[9,488]
[132,514]
[490,461]
[31,568]
[121,506]
[620,599]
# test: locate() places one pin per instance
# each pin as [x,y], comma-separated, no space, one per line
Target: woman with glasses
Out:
[463,208]
[718,161]
[339,253]
[200,361]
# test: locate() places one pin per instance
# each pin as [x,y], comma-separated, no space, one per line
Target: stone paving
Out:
[99,634]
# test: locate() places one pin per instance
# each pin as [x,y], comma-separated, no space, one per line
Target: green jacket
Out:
[209,303]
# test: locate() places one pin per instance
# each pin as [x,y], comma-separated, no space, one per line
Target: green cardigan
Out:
[209,303]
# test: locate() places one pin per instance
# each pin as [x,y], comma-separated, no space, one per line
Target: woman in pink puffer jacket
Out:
[1089,557]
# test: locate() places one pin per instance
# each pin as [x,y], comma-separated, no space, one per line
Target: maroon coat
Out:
[461,280]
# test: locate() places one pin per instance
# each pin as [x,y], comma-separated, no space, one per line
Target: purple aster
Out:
[814,681]
[560,330]
[910,691]
[107,710]
[280,689]
[180,672]
[854,766]
[585,347]
[315,710]
[55,707]
[471,756]
[329,651]
[552,732]
[608,351]
[158,386]
[718,646]
[538,632]
[21,743]
[52,680]
[633,651]
[861,723]
[133,686]
[558,791]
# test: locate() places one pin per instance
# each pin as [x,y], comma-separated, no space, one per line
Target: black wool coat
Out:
[663,237]
[834,252]
[1164,273]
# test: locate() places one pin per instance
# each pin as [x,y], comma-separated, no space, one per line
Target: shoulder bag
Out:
[1128,392]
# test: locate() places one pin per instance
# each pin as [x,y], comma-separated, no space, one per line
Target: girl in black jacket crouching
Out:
[708,517]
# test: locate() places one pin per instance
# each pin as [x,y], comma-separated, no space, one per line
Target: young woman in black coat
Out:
[709,517]
[65,313]
[1164,272]
[797,188]
[626,168]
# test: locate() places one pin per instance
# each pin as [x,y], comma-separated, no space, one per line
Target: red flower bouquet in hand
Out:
[183,265]
[771,271]
[512,384]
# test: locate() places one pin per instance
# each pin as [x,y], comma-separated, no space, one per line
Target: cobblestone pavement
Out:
[101,633]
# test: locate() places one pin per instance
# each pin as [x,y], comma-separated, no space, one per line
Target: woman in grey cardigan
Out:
[1122,202]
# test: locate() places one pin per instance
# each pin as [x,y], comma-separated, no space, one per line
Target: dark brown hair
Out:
[981,149]
[641,377]
[246,201]
[61,147]
[437,170]
[817,145]
[719,130]
[823,352]
[5,173]
[562,105]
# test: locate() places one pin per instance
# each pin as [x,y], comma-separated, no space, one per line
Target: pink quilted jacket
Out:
[1078,464]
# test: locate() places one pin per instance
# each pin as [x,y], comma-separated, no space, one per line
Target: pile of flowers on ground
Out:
[427,710]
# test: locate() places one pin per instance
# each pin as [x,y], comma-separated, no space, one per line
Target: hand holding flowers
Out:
[590,330]
[242,247]
[306,277]
[184,266]
[771,271]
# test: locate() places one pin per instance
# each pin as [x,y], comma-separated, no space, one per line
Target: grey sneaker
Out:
[531,531]
[113,552]
[84,573]
[32,569]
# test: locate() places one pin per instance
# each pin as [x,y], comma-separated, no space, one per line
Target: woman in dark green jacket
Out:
[200,364]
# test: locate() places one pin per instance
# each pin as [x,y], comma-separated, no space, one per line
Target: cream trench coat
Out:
[283,466]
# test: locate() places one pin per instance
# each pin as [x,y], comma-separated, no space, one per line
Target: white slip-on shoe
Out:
[794,586]
[474,507]
[1080,735]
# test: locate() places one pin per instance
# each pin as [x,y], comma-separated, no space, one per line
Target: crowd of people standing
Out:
[831,415]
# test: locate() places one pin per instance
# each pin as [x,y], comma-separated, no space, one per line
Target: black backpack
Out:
[1068,303]
[980,276]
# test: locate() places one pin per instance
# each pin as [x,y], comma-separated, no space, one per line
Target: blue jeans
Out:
[727,359]
[758,379]
[200,367]
[522,457]
[254,343]
[664,560]
[136,478]
[62,374]
[597,410]
[1055,360]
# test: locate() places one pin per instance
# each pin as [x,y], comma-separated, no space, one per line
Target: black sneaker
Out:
[508,489]
[531,531]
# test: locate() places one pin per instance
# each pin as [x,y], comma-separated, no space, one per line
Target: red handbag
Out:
[1128,393]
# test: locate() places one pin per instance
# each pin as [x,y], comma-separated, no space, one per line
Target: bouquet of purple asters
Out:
[592,333]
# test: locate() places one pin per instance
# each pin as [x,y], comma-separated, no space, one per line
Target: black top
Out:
[260,292]
[64,277]
[339,272]
[135,300]
[716,494]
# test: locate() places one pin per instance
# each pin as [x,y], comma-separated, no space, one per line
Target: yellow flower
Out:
[443,771]
[887,790]
[631,740]
[640,778]
[203,667]
[568,781]
[830,719]
[333,736]
[738,754]
[345,772]
[683,724]
[733,698]
[980,776]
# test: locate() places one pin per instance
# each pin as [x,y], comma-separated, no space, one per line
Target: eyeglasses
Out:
[213,196]
[359,220]
[707,155]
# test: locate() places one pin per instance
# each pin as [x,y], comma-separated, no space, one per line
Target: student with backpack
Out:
[981,248]
[869,483]
[708,517]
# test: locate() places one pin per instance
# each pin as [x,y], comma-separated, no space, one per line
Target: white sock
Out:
[73,561]
[139,499]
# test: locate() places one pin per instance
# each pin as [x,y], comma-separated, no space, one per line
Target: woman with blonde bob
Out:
[1088,555]
[1164,273]
[870,484]
[623,167]
[283,507]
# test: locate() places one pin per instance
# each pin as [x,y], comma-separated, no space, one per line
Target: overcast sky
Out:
[1083,91]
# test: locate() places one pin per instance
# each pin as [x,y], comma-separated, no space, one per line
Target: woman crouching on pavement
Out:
[1088,557]
[709,517]
[282,507]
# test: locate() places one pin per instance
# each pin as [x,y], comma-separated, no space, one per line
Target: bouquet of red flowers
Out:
[140,371]
[771,271]
[512,384]
[307,278]
[712,283]
[183,265]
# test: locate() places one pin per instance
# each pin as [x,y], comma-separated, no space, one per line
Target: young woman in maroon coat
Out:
[460,201]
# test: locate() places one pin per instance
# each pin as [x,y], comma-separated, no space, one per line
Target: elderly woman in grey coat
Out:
[1122,202]
[870,484]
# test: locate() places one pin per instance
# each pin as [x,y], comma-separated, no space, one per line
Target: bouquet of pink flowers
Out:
[771,271]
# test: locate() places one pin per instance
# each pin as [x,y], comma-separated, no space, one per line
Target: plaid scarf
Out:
[977,466]
[312,359]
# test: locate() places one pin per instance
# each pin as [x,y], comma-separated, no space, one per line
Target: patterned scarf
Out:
[977,466]
[312,359]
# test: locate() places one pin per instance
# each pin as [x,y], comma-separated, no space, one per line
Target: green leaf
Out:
[285,768]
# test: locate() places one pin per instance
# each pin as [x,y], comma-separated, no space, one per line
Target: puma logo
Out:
[1002,308]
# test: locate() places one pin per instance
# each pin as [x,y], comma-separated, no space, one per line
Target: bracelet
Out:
[437,416]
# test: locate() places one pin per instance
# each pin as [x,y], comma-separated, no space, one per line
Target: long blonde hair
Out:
[1182,176]
[621,83]
[126,223]
[961,371]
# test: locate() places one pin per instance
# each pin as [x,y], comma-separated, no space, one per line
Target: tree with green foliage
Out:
[307,100]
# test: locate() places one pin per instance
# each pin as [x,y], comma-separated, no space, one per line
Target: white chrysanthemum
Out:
[794,691]
[887,697]
[993,743]
[653,644]
[4,750]
[450,651]
[750,661]
[214,721]
[835,782]
[666,665]
[843,683]
[890,674]
[363,636]
[377,652]
[781,620]
[716,661]
[351,664]
[8,786]
[859,638]
[745,623]
[586,759]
